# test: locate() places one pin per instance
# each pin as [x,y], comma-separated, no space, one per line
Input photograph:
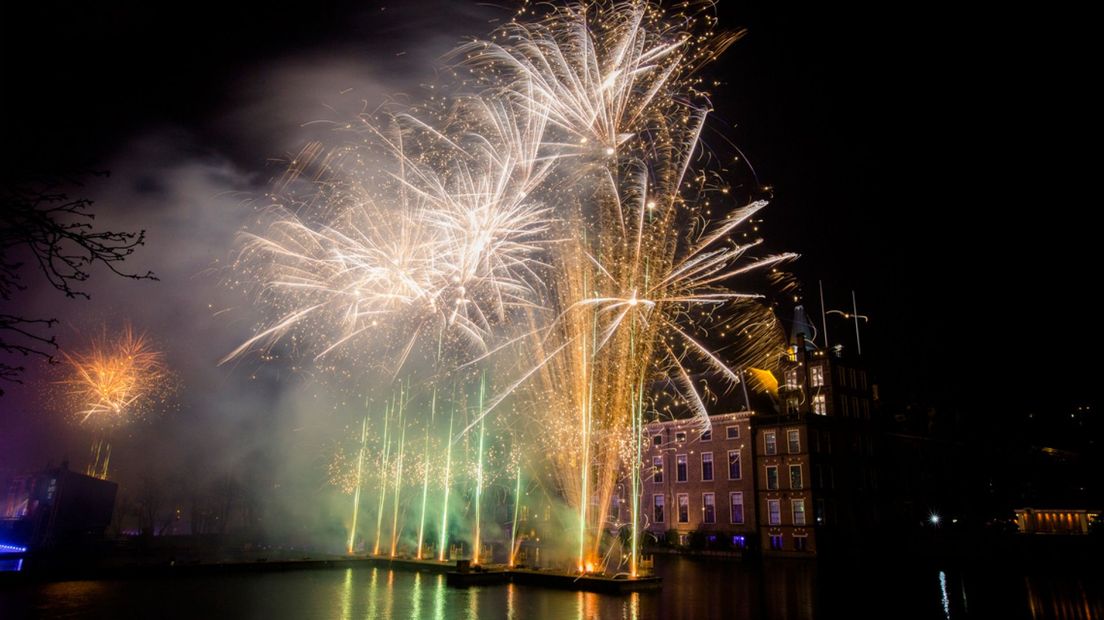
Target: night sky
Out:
[917,157]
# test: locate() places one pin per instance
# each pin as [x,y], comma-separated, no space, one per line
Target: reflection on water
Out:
[692,589]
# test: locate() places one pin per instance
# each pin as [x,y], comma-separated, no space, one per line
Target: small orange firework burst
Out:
[116,377]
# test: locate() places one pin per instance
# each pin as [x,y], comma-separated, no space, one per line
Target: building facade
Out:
[696,481]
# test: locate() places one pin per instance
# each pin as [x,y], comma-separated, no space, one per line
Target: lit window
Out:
[657,469]
[736,507]
[791,379]
[774,511]
[798,511]
[683,508]
[820,405]
[709,508]
[657,440]
[680,436]
[734,472]
[707,435]
[816,375]
[776,542]
[770,443]
[772,477]
[657,508]
[793,440]
[707,466]
[680,468]
[795,477]
[733,432]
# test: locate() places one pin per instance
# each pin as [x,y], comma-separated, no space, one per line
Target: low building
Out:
[1071,521]
[56,506]
[696,482]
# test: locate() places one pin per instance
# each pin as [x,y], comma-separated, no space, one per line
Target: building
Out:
[696,482]
[1071,521]
[815,459]
[55,506]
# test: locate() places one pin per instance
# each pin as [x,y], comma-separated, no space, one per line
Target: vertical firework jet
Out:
[554,224]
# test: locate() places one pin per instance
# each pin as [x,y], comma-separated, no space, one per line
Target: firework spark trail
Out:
[356,493]
[615,82]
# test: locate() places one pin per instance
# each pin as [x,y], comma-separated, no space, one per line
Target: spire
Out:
[801,328]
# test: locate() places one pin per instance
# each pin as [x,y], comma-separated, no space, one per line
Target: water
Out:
[692,589]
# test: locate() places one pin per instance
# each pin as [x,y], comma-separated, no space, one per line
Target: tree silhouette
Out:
[43,230]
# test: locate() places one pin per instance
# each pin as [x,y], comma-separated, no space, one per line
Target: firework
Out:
[116,378]
[553,226]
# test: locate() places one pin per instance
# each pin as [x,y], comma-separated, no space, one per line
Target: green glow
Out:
[425,473]
[356,493]
[479,475]
[513,530]
[383,481]
[445,504]
[398,479]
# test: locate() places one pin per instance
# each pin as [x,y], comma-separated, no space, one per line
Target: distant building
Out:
[815,461]
[55,506]
[1055,521]
[698,481]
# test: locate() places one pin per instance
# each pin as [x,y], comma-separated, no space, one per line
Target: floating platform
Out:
[551,579]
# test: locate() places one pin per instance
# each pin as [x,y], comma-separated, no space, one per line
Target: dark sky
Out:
[921,157]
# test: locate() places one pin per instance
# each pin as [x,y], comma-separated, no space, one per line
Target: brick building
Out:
[697,481]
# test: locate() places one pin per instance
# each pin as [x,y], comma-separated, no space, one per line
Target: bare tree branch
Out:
[44,227]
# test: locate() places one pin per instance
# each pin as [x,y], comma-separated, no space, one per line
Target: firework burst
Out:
[116,378]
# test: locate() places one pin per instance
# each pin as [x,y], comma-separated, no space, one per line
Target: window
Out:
[791,379]
[683,508]
[862,379]
[798,511]
[707,435]
[819,507]
[815,434]
[844,411]
[820,405]
[770,443]
[816,375]
[732,432]
[680,436]
[795,477]
[657,469]
[739,541]
[709,508]
[774,511]
[842,376]
[657,440]
[680,468]
[866,409]
[801,543]
[819,480]
[736,507]
[707,466]
[657,508]
[793,439]
[776,542]
[772,477]
[855,406]
[734,472]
